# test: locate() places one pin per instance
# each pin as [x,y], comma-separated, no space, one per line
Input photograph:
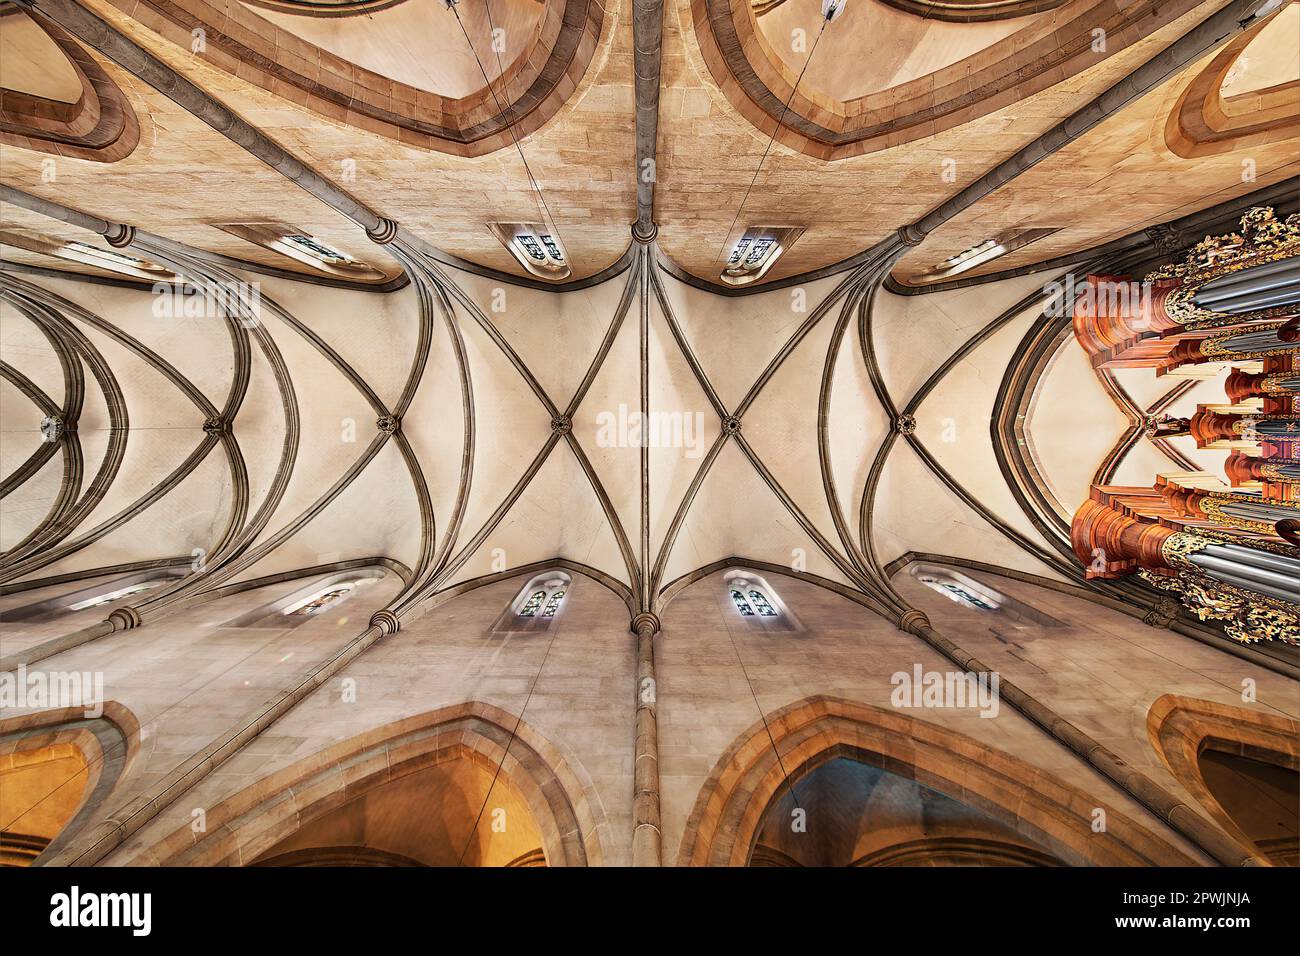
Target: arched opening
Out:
[40,791]
[402,42]
[467,785]
[986,807]
[1261,796]
[892,72]
[885,44]
[32,62]
[849,813]
[57,768]
[457,812]
[407,71]
[1241,765]
[1247,96]
[55,97]
[537,605]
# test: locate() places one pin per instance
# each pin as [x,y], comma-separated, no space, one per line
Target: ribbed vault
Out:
[483,427]
[244,425]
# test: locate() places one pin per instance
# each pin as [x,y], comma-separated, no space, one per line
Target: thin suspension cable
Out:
[506,753]
[785,776]
[501,70]
[546,209]
[771,139]
[113,749]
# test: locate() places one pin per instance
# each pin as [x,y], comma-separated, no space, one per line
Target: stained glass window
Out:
[741,604]
[738,253]
[754,253]
[318,602]
[553,604]
[535,247]
[960,593]
[552,248]
[112,596]
[534,604]
[964,595]
[530,245]
[758,250]
[116,257]
[761,602]
[318,249]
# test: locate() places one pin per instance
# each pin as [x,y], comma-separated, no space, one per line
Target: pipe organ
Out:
[1226,542]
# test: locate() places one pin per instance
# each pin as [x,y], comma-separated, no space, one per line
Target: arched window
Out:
[553,603]
[534,603]
[305,248]
[123,589]
[757,602]
[761,603]
[545,595]
[115,261]
[321,255]
[534,247]
[319,250]
[982,252]
[965,595]
[756,252]
[120,594]
[311,600]
[962,592]
[319,601]
[967,592]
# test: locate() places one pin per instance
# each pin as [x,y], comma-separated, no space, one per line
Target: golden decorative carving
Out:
[1212,505]
[1263,238]
[1212,348]
[1223,536]
[1246,616]
[1180,307]
[1274,473]
[1178,548]
[1275,384]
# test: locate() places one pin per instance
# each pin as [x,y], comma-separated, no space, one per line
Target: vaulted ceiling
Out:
[455,415]
[303,81]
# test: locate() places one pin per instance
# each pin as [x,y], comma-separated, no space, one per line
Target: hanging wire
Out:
[785,775]
[469,838]
[546,210]
[771,139]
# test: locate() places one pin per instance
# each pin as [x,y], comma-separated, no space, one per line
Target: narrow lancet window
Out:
[534,604]
[761,603]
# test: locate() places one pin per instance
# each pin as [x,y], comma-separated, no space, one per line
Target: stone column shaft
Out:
[647,849]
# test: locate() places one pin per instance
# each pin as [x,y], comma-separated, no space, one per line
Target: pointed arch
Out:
[723,826]
[557,791]
[57,770]
[1184,730]
[100,126]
